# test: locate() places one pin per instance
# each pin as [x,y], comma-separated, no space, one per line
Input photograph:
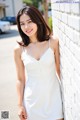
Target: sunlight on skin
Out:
[61,119]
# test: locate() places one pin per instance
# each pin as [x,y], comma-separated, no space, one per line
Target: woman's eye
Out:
[29,21]
[22,24]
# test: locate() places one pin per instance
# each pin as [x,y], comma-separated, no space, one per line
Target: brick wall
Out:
[66,25]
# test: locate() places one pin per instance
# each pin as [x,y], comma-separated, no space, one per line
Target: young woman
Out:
[38,87]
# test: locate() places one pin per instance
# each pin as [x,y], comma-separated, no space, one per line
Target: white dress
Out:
[42,94]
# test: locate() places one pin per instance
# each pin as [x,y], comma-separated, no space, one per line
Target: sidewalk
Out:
[8,94]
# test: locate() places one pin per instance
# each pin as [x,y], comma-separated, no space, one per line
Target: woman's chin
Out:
[29,35]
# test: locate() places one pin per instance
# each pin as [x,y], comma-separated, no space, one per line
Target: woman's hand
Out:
[22,113]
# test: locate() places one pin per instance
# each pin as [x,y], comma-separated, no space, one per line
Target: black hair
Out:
[43,31]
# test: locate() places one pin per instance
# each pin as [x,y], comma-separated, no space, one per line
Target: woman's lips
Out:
[29,31]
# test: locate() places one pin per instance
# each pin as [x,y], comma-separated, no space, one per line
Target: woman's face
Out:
[27,26]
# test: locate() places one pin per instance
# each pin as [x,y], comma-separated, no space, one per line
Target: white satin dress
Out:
[42,94]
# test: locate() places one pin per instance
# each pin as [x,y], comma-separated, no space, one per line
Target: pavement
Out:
[8,93]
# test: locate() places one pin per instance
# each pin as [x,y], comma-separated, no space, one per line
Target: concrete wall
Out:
[66,25]
[18,5]
[13,7]
[10,8]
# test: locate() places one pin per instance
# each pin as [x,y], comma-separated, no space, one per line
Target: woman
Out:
[39,96]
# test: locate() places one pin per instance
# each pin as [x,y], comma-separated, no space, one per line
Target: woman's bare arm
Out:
[57,57]
[20,84]
[55,46]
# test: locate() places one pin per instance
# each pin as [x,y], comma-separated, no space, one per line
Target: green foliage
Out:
[32,2]
[50,22]
[28,2]
[36,2]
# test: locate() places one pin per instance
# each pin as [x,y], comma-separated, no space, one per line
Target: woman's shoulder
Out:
[17,49]
[54,42]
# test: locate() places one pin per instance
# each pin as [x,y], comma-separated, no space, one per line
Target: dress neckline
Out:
[49,48]
[41,55]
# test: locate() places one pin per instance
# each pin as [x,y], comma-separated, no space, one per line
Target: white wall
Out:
[9,8]
[18,5]
[66,25]
[1,1]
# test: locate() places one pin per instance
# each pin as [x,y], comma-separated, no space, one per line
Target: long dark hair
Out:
[43,32]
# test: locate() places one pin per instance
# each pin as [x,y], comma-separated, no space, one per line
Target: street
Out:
[8,93]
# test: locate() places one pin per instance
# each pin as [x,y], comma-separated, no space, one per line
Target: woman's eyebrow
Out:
[24,21]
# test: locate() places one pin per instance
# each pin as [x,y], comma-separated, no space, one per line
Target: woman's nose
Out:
[26,26]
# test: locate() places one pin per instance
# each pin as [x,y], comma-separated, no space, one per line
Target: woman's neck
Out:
[33,39]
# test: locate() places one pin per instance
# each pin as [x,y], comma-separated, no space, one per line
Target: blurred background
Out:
[10,8]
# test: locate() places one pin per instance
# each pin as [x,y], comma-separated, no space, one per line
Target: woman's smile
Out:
[29,31]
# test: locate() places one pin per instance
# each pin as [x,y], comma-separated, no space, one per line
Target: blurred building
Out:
[10,7]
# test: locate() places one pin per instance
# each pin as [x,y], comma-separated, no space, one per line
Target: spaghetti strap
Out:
[49,42]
